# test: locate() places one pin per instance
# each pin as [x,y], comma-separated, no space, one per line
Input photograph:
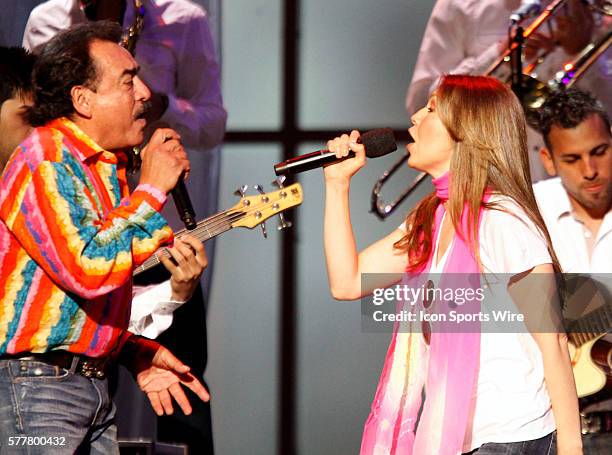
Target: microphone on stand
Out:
[377,143]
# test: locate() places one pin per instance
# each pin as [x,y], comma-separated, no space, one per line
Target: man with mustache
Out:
[70,235]
[577,208]
[178,61]
[152,306]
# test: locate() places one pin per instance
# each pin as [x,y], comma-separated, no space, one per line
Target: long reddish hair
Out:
[487,124]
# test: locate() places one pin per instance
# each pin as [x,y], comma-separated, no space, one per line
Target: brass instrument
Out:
[544,17]
[535,91]
[378,206]
[130,38]
[603,7]
[128,41]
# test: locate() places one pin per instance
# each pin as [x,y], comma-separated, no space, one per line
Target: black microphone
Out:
[377,143]
[181,198]
[183,204]
[527,9]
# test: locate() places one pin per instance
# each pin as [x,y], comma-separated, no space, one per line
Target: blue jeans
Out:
[543,446]
[46,409]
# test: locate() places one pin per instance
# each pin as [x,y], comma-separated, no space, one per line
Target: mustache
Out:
[142,111]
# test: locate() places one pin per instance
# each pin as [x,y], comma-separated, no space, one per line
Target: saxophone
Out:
[128,41]
[130,37]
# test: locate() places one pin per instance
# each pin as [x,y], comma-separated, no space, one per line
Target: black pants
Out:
[186,338]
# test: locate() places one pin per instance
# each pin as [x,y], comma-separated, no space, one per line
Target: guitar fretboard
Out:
[204,230]
[591,325]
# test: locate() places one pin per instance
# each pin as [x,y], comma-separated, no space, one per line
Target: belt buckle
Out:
[91,368]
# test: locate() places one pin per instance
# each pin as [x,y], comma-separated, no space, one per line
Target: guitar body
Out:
[590,362]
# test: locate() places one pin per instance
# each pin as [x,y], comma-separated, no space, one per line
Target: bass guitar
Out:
[249,212]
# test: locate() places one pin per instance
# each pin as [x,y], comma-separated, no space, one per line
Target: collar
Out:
[562,205]
[564,208]
[85,147]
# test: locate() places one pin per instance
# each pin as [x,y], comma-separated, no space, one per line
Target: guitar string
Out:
[215,224]
[246,210]
[199,232]
[583,335]
[231,216]
[210,230]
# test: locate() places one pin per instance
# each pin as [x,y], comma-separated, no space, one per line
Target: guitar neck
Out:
[249,212]
[204,230]
[591,325]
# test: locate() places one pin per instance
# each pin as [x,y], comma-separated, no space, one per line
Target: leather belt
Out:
[596,422]
[89,367]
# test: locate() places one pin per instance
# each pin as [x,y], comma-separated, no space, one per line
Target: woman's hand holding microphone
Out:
[341,173]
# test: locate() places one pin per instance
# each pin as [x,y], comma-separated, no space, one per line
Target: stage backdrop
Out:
[356,59]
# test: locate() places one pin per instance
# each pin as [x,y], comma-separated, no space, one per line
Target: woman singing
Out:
[484,393]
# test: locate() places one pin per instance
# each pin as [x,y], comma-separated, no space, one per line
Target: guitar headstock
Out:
[256,209]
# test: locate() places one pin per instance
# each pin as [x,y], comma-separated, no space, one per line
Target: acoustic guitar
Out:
[591,355]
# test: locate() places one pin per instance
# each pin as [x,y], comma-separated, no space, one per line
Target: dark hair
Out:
[64,63]
[15,72]
[566,109]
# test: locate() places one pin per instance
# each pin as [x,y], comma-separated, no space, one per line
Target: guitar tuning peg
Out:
[263,229]
[284,224]
[279,181]
[241,191]
[259,188]
[279,184]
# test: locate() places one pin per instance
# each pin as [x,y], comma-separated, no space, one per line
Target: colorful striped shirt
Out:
[70,236]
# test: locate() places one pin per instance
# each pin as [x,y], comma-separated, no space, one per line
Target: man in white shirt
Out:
[178,63]
[577,205]
[467,36]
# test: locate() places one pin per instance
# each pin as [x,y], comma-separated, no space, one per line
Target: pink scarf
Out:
[449,371]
